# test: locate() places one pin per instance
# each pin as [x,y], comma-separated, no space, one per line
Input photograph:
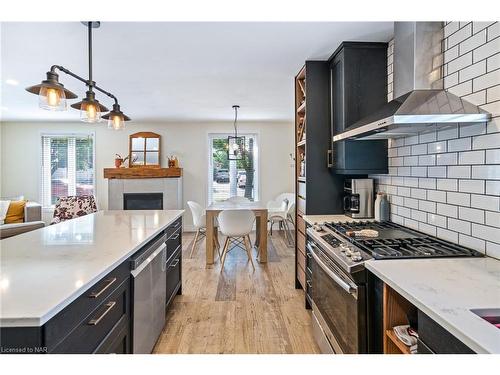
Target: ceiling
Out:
[168,71]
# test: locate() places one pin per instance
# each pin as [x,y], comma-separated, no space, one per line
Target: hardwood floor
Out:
[238,310]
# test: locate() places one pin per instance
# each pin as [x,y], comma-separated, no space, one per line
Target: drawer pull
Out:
[110,306]
[175,263]
[175,237]
[108,284]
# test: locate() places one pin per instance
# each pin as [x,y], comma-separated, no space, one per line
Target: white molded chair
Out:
[199,221]
[236,199]
[236,224]
[282,211]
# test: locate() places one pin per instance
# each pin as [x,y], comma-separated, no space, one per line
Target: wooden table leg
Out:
[209,238]
[262,231]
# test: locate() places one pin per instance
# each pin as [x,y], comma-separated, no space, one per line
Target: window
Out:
[227,178]
[67,166]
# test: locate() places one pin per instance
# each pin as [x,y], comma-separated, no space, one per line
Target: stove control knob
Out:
[356,257]
[344,247]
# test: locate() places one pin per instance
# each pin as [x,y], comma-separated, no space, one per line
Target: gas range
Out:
[393,242]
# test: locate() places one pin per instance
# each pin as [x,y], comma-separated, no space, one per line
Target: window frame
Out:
[257,178]
[40,155]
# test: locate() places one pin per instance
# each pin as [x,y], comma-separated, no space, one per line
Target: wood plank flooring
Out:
[238,310]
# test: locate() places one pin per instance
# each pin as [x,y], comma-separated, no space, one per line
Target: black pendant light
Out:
[53,95]
[236,145]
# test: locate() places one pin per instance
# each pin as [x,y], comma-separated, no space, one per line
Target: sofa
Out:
[32,221]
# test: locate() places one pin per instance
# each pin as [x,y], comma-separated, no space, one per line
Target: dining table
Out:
[260,211]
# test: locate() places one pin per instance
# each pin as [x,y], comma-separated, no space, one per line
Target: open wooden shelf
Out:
[399,344]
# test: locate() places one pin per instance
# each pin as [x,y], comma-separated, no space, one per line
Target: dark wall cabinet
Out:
[358,87]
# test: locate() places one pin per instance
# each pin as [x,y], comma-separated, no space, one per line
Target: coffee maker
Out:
[358,198]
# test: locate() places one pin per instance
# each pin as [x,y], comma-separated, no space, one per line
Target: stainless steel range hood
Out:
[421,103]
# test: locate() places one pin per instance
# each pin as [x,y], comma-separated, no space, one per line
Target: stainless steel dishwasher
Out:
[149,295]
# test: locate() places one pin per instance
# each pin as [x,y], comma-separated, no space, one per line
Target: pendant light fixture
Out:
[236,145]
[52,94]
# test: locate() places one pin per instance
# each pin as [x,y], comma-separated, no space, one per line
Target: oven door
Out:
[336,303]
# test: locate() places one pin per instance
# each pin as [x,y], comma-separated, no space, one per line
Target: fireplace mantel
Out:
[138,172]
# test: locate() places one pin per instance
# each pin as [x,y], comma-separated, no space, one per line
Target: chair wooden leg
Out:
[249,253]
[224,253]
[194,243]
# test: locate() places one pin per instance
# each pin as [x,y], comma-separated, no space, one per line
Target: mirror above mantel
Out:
[145,150]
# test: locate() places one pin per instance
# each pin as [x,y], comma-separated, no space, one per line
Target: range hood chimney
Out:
[421,103]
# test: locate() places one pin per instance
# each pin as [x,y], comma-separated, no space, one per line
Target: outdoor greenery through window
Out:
[67,166]
[229,178]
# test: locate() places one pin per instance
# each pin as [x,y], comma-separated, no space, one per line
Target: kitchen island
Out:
[55,282]
[445,291]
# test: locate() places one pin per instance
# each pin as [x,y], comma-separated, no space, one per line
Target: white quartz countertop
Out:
[320,219]
[43,271]
[446,290]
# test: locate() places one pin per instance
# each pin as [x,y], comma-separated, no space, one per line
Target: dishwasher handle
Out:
[162,249]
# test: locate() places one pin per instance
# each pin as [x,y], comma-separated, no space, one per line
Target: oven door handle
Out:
[349,289]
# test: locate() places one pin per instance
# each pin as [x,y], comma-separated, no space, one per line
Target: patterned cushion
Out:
[73,206]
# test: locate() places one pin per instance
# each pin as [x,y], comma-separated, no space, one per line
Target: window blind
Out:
[67,166]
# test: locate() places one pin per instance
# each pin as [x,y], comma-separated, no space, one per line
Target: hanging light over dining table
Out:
[53,95]
[235,144]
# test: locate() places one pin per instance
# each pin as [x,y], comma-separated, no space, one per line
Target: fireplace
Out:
[143,201]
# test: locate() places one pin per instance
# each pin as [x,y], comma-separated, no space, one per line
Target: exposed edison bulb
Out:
[90,113]
[52,99]
[116,122]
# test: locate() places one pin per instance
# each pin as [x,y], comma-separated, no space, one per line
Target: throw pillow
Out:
[15,213]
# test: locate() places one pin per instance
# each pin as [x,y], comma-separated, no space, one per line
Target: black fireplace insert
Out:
[143,201]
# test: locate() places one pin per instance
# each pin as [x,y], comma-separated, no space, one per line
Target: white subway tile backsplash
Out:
[486,232]
[437,220]
[493,187]
[471,214]
[447,235]
[460,199]
[493,250]
[471,157]
[471,186]
[486,50]
[472,71]
[436,171]
[447,210]
[460,35]
[459,226]
[486,202]
[493,219]
[471,242]
[436,196]
[487,172]
[427,159]
[447,184]
[427,183]
[427,206]
[493,156]
[473,42]
[449,158]
[486,141]
[419,149]
[459,171]
[461,144]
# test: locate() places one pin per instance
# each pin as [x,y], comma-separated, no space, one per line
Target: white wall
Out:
[20,155]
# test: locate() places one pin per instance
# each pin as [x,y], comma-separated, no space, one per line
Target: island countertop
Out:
[446,290]
[43,271]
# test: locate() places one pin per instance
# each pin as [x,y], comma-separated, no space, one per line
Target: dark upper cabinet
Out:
[358,87]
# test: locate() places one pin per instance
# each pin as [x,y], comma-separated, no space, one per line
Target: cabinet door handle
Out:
[108,284]
[110,306]
[175,237]
[175,263]
[329,162]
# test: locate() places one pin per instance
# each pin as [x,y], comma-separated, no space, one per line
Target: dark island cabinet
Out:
[358,87]
[100,319]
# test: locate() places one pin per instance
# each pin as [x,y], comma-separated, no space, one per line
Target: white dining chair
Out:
[199,222]
[281,211]
[236,199]
[235,225]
